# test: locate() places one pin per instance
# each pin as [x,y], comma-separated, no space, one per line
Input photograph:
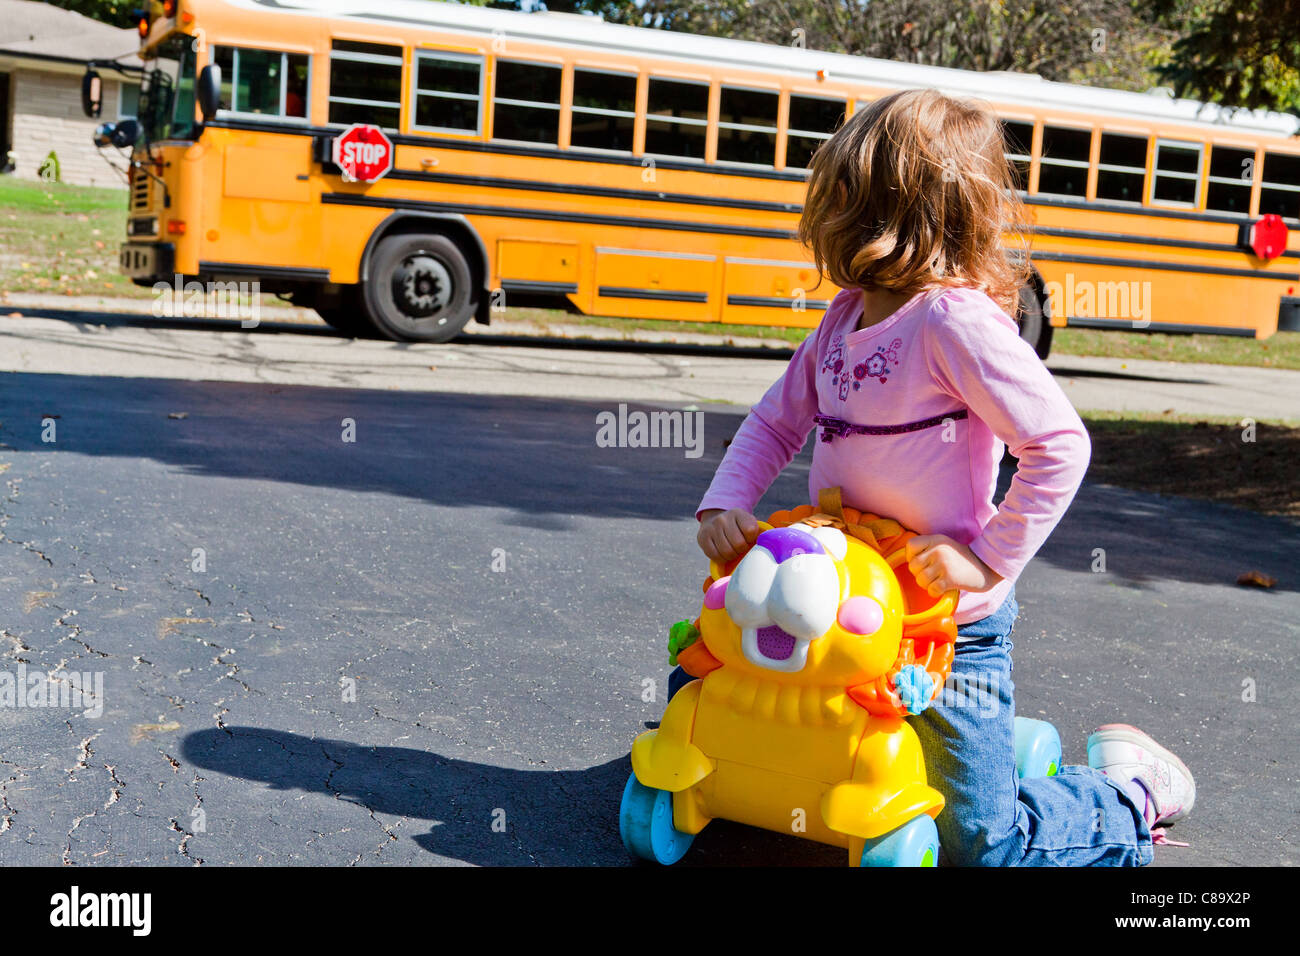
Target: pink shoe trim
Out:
[1159,837]
[1149,812]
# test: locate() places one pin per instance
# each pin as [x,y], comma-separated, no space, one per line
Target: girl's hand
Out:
[725,535]
[941,564]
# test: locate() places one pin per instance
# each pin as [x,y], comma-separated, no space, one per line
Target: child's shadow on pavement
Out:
[552,817]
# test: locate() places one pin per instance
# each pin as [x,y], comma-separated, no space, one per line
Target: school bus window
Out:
[747,128]
[166,107]
[1280,187]
[448,92]
[526,102]
[604,110]
[1017,146]
[1177,173]
[365,83]
[677,118]
[1231,174]
[812,121]
[1063,166]
[1122,167]
[263,81]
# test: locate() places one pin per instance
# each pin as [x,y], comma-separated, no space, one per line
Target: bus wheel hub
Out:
[421,286]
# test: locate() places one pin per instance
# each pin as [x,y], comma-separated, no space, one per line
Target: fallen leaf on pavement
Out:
[1256,579]
[146,731]
[171,625]
[35,599]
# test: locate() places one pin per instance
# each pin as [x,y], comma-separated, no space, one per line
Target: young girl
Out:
[917,379]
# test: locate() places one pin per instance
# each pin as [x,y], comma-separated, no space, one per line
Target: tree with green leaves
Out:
[1102,42]
[1239,52]
[118,13]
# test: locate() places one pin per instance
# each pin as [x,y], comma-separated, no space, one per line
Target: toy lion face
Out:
[806,605]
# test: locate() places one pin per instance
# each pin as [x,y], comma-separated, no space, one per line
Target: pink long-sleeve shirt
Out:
[950,365]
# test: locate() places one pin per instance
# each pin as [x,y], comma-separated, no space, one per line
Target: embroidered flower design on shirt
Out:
[834,365]
[878,365]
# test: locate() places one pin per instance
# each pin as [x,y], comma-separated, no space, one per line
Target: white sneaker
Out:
[1126,753]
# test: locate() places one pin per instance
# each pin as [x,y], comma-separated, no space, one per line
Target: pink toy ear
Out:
[716,596]
[861,615]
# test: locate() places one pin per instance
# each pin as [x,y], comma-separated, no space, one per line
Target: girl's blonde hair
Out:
[915,192]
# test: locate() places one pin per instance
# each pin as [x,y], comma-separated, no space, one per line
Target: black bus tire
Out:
[419,289]
[1033,320]
[346,315]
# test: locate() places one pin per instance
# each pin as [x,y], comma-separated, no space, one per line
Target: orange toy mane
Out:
[929,627]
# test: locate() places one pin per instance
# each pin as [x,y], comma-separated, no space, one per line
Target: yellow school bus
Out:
[632,172]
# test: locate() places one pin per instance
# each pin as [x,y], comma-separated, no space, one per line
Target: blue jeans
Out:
[1078,817]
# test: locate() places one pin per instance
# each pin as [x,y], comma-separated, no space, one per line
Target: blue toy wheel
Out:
[645,822]
[915,843]
[1038,748]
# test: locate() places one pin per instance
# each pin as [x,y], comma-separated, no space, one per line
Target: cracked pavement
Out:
[226,734]
[348,681]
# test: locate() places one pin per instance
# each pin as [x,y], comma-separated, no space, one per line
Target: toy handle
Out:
[719,571]
[945,605]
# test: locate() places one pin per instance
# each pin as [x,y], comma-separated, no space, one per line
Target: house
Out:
[43,54]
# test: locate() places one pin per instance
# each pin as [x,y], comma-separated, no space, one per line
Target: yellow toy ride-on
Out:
[809,652]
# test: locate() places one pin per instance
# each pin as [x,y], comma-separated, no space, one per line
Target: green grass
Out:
[1153,422]
[1281,350]
[22,195]
[62,239]
[553,317]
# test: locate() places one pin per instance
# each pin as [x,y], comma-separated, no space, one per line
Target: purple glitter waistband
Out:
[833,428]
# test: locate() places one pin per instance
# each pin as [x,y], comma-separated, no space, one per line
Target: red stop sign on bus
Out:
[1268,237]
[363,152]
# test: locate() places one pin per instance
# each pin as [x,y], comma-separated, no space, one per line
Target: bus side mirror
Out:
[92,94]
[121,134]
[209,91]
[126,133]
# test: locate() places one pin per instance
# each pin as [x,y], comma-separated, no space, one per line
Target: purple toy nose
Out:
[784,543]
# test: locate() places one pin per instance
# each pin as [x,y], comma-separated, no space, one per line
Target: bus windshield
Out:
[167,97]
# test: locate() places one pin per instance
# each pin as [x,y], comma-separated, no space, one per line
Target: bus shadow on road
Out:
[540,460]
[537,456]
[551,817]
